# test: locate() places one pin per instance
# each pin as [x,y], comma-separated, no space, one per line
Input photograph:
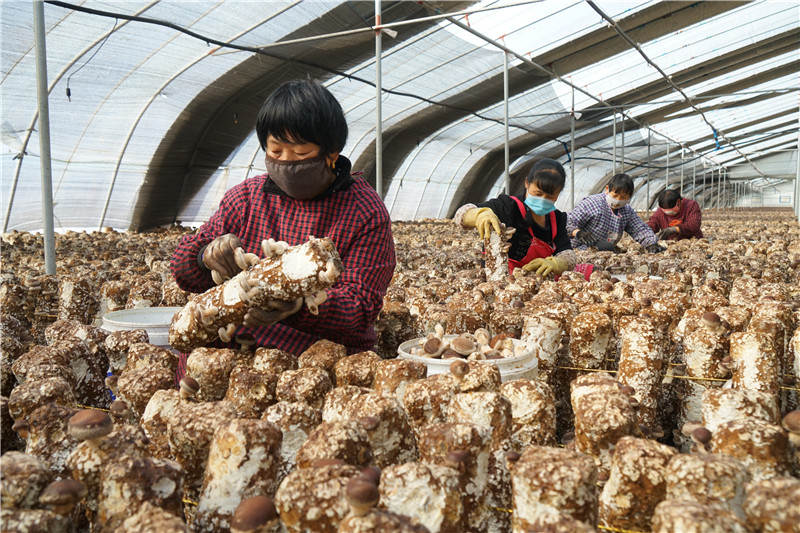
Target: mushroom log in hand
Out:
[285,273]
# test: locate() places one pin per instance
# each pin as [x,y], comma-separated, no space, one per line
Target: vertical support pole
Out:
[622,151]
[44,138]
[572,153]
[666,176]
[614,152]
[711,204]
[797,179]
[505,120]
[649,164]
[723,185]
[683,160]
[740,195]
[694,178]
[378,102]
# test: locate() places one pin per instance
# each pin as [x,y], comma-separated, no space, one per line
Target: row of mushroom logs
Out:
[479,449]
[221,373]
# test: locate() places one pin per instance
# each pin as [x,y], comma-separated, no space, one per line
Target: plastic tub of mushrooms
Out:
[513,357]
[154,320]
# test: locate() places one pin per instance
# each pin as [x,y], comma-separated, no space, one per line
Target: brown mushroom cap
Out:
[432,346]
[21,427]
[512,456]
[701,435]
[253,513]
[463,345]
[245,339]
[189,385]
[119,408]
[711,319]
[791,422]
[111,382]
[89,424]
[450,353]
[372,474]
[499,338]
[63,492]
[361,495]
[459,368]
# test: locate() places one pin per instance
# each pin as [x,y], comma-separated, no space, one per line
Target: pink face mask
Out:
[303,179]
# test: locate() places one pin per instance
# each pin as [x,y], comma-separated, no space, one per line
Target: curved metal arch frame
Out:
[149,102]
[53,84]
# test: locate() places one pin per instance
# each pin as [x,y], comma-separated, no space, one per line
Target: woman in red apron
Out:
[541,243]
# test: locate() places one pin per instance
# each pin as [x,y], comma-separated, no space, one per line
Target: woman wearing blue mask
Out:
[541,242]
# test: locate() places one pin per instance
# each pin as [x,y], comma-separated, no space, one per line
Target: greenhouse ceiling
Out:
[152,104]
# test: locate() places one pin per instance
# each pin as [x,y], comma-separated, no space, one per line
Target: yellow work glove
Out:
[484,219]
[544,266]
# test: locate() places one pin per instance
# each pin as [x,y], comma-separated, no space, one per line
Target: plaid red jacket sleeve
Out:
[657,221]
[233,210]
[692,219]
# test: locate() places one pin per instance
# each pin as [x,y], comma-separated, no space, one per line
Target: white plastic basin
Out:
[524,366]
[154,320]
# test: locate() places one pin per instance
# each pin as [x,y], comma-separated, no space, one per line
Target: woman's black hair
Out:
[668,198]
[548,175]
[621,183]
[303,111]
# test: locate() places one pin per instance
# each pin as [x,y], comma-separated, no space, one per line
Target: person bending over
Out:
[601,219]
[308,190]
[541,243]
[676,218]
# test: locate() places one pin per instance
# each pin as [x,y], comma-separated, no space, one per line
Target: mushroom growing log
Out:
[302,271]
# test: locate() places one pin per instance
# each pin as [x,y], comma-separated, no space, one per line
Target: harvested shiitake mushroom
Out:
[463,345]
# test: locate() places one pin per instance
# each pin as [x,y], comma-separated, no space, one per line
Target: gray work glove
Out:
[667,232]
[586,237]
[605,246]
[219,255]
[274,311]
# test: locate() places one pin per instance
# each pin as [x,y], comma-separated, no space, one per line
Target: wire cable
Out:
[69,92]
